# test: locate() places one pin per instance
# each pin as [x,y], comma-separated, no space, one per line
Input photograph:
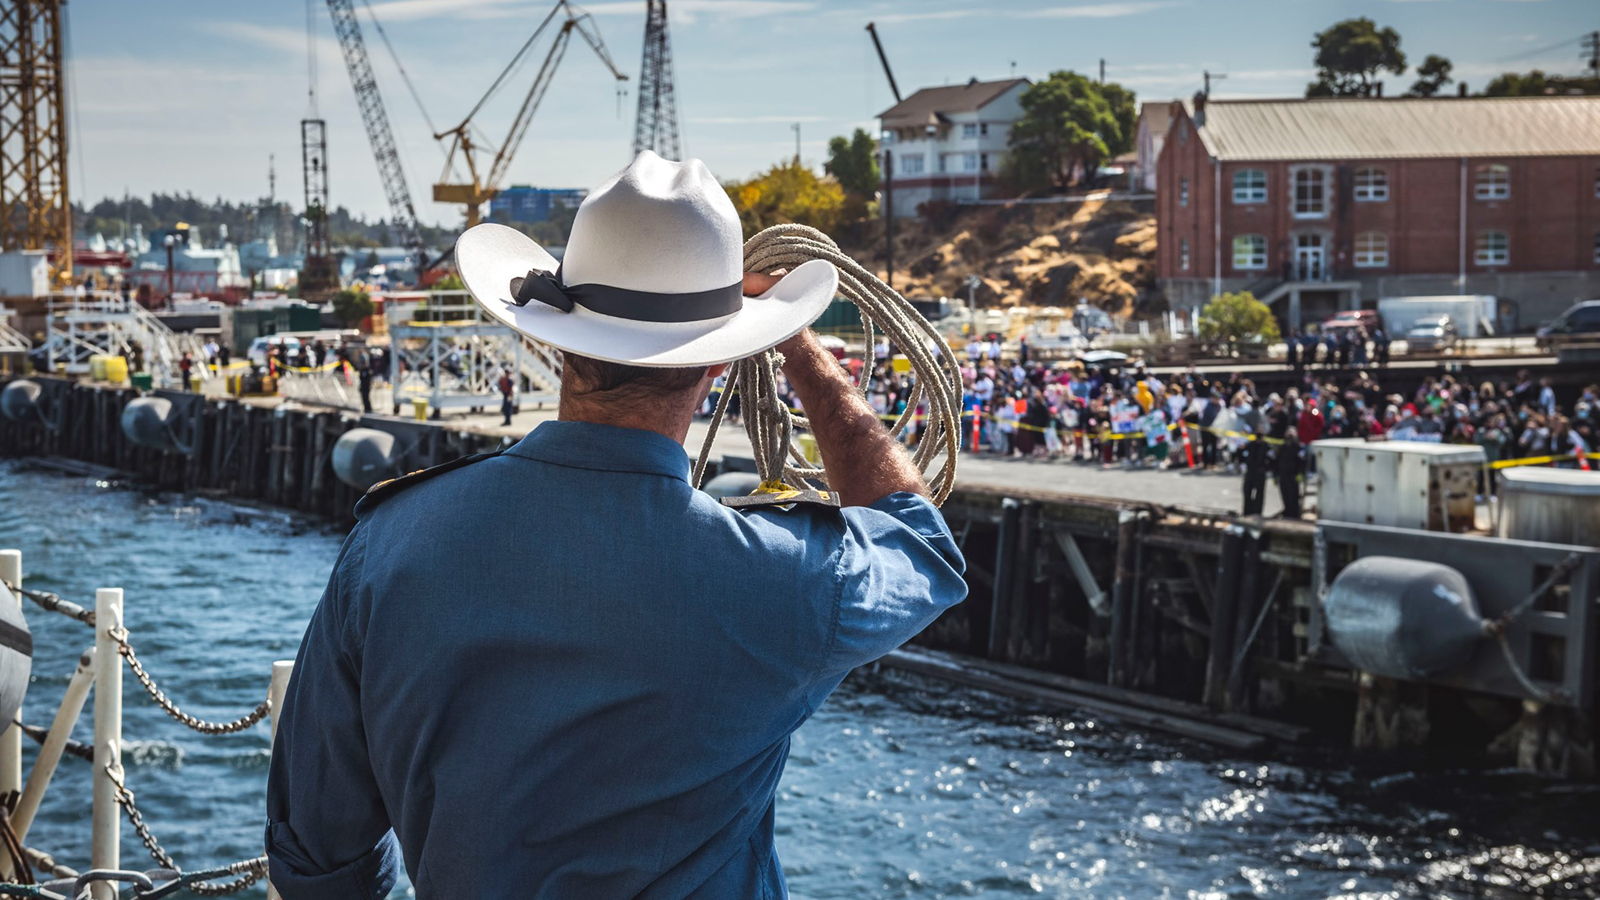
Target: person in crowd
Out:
[508,390]
[1289,466]
[1255,475]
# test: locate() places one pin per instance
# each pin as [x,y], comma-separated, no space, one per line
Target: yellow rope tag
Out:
[775,494]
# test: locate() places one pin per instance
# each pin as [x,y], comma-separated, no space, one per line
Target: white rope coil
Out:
[771,424]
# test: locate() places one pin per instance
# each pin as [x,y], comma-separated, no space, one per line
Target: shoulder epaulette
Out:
[383,490]
[781,497]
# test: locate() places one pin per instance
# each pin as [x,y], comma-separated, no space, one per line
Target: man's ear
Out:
[716,370]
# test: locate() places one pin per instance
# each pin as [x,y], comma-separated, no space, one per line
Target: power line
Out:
[404,76]
[1567,42]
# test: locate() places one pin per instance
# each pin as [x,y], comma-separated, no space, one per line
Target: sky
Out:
[196,96]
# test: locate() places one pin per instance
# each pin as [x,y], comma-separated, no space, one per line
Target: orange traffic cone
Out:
[1188,449]
[1583,460]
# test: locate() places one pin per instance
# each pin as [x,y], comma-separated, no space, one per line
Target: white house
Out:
[1154,118]
[946,143]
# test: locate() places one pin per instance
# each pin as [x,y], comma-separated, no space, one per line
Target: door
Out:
[1310,258]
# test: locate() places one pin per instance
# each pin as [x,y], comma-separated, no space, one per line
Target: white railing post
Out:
[11,737]
[44,765]
[281,670]
[105,850]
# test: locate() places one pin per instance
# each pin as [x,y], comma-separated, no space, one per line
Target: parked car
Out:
[1366,318]
[258,347]
[1432,334]
[1578,324]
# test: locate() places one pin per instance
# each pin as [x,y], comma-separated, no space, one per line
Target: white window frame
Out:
[889,136]
[1254,188]
[1486,254]
[1372,184]
[969,162]
[1183,190]
[1370,253]
[1492,182]
[1321,183]
[1183,252]
[1256,258]
[904,166]
[969,129]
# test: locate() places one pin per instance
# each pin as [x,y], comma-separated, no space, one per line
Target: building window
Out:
[1597,246]
[1372,250]
[1250,251]
[969,162]
[1183,191]
[1494,183]
[983,161]
[969,130]
[1183,133]
[1597,181]
[983,128]
[1494,249]
[1249,186]
[1310,194]
[888,135]
[1372,184]
[942,162]
[1183,252]
[911,164]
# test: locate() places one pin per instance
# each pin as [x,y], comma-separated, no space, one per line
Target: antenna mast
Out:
[657,125]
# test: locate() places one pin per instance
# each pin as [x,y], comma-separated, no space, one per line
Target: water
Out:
[897,788]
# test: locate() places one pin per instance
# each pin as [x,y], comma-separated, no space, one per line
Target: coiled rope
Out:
[771,424]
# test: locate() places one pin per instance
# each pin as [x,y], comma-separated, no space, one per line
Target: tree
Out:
[371,259]
[787,192]
[451,282]
[351,305]
[1433,75]
[854,162]
[1125,109]
[1537,84]
[1067,123]
[1350,54]
[1234,319]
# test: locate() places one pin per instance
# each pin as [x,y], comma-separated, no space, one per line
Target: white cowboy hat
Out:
[652,276]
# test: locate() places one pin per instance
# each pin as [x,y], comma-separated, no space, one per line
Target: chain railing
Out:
[113,799]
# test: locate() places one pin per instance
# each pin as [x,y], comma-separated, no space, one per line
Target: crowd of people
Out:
[1123,414]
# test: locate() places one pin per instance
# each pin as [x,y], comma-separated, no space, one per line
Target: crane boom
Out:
[376,119]
[872,29]
[482,190]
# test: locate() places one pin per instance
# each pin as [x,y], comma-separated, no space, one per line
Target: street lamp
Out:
[972,306]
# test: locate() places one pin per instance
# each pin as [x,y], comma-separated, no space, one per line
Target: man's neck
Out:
[663,423]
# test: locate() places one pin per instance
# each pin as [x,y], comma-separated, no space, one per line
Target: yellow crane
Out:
[35,211]
[482,187]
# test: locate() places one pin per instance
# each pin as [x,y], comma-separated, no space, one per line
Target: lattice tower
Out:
[656,127]
[34,210]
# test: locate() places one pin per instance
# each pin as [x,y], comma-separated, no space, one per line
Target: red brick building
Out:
[1321,205]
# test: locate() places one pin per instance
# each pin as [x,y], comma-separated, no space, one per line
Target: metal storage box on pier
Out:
[1401,484]
[1557,506]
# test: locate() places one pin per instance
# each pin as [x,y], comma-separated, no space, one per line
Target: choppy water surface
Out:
[897,788]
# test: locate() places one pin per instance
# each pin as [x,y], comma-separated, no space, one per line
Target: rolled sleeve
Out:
[327,830]
[899,568]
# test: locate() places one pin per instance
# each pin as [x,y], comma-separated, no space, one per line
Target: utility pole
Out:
[888,218]
[1209,76]
[1591,48]
[1102,71]
[796,127]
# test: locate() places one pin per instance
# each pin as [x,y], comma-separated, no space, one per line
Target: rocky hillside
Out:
[1034,254]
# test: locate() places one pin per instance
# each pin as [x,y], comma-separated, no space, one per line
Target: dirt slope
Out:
[1036,254]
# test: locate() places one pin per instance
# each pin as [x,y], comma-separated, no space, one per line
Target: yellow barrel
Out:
[808,447]
[97,367]
[419,406]
[901,364]
[116,369]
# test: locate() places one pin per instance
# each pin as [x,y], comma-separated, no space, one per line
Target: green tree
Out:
[450,282]
[1234,319]
[371,259]
[1432,76]
[351,305]
[1067,122]
[1538,84]
[1350,55]
[1125,109]
[787,192]
[854,162]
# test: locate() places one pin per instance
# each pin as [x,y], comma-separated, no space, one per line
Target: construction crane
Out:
[656,127]
[379,134]
[482,188]
[35,213]
[888,167]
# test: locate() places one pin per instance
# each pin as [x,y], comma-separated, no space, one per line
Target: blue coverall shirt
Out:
[564,673]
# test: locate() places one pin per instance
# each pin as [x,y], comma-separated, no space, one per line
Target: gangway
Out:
[447,350]
[12,340]
[103,323]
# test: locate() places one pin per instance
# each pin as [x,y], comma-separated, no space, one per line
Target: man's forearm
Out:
[865,464]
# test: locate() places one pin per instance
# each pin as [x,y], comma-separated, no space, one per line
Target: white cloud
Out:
[1098,10]
[682,11]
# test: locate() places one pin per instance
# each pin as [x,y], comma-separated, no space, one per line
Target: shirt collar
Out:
[607,448]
